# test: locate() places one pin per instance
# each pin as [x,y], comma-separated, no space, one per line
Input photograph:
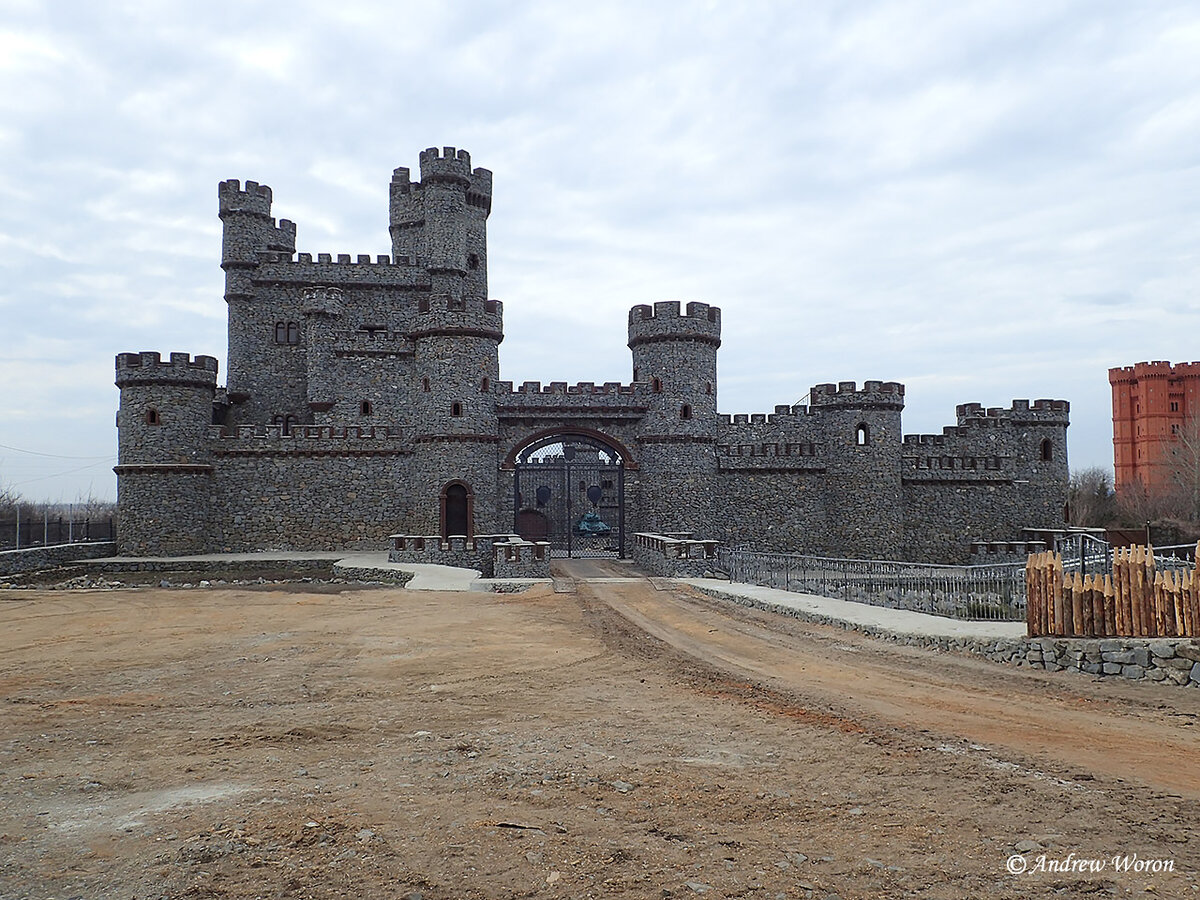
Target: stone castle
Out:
[363,398]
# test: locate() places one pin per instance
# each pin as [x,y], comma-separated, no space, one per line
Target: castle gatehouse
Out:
[363,398]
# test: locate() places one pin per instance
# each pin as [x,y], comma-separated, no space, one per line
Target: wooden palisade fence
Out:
[1133,600]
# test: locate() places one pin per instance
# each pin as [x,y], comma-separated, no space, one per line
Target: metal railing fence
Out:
[992,592]
[45,531]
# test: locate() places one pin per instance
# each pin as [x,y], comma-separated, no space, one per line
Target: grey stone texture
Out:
[674,556]
[33,559]
[360,390]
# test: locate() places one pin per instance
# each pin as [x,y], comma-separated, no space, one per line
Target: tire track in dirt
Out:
[923,692]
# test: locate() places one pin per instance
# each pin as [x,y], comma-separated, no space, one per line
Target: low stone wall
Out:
[214,566]
[674,556]
[494,555]
[461,552]
[516,558]
[35,558]
[1169,661]
[372,573]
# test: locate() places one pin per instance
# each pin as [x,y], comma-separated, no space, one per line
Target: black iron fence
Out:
[1090,555]
[994,592]
[46,531]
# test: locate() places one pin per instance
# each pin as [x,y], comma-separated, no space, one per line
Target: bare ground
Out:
[618,741]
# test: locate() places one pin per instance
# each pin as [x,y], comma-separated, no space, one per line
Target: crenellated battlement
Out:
[783,415]
[666,322]
[255,198]
[255,440]
[1022,412]
[560,388]
[1159,368]
[149,367]
[448,316]
[770,450]
[847,395]
[338,259]
[447,166]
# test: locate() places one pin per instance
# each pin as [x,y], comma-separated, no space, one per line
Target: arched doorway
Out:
[569,490]
[457,510]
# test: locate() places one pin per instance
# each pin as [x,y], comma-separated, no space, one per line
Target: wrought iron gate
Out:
[570,490]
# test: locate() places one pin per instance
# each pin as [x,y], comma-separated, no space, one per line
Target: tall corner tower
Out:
[675,359]
[442,222]
[164,470]
[248,231]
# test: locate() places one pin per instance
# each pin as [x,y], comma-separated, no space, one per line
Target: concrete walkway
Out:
[861,615]
[427,577]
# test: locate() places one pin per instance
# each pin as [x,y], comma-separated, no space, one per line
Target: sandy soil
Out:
[614,741]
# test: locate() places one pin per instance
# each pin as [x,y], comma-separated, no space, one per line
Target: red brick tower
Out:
[1152,401]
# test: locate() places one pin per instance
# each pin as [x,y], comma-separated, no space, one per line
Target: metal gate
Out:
[570,490]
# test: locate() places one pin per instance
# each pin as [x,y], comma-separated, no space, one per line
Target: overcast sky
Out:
[982,200]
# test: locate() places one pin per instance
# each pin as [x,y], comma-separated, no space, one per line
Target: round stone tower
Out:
[456,331]
[862,439]
[164,471]
[675,359]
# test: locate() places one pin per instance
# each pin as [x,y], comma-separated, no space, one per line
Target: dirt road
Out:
[618,741]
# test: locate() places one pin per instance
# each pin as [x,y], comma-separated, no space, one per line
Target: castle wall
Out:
[314,489]
[386,373]
[984,479]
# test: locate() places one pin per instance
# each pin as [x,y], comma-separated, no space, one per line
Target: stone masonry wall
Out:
[13,562]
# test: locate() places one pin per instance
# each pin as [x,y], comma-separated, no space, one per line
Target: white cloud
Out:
[987,200]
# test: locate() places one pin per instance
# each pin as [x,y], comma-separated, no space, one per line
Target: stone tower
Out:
[442,221]
[254,365]
[863,437]
[676,355]
[165,472]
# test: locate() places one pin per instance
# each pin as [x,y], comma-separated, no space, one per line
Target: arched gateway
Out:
[569,490]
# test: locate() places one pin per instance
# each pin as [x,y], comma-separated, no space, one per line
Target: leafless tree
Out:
[1090,498]
[1180,455]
